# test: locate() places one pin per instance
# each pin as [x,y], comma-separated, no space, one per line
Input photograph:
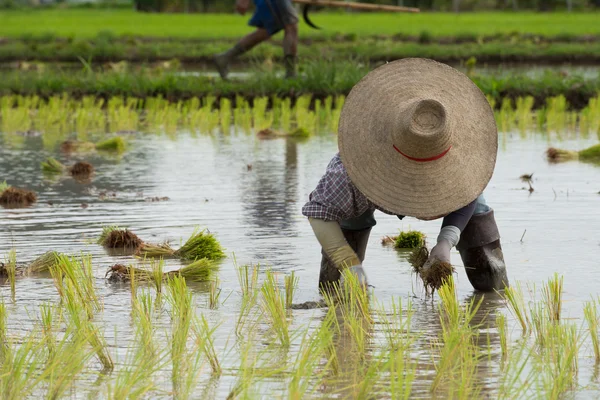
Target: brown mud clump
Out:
[15,197]
[81,169]
[119,239]
[118,273]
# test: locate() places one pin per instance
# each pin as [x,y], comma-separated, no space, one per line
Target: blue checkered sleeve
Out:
[336,198]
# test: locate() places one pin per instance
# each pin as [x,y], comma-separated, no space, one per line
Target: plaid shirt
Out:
[336,198]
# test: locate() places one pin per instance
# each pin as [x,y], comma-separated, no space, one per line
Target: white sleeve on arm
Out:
[334,244]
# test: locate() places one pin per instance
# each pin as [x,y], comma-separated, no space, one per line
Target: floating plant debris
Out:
[200,245]
[113,237]
[14,197]
[200,270]
[156,199]
[405,240]
[116,144]
[558,155]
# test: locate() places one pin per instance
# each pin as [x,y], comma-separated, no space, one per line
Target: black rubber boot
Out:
[358,241]
[481,253]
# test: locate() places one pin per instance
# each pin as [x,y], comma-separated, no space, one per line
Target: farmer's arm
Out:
[453,224]
[334,199]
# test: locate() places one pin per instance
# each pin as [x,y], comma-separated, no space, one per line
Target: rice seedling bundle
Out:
[200,245]
[81,169]
[201,270]
[434,276]
[53,166]
[113,237]
[556,113]
[43,263]
[115,145]
[15,197]
[409,240]
[591,154]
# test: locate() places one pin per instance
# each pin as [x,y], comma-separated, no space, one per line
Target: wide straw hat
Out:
[418,138]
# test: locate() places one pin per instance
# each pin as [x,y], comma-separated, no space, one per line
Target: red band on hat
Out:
[442,154]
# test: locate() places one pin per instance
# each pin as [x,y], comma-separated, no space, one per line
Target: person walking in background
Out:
[270,17]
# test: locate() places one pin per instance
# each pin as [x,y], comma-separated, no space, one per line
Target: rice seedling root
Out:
[81,169]
[15,197]
[433,277]
[115,238]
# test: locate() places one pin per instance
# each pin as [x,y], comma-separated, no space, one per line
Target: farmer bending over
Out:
[416,138]
[270,16]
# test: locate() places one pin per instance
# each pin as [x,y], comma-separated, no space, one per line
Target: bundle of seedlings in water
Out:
[113,237]
[80,169]
[74,146]
[201,270]
[14,197]
[116,145]
[405,240]
[433,277]
[201,244]
[43,263]
[558,155]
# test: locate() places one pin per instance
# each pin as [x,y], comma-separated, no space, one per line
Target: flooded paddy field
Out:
[249,192]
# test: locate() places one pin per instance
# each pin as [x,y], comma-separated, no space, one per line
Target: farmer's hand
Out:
[446,240]
[359,272]
[242,6]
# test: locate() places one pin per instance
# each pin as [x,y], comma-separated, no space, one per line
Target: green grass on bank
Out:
[88,23]
[319,79]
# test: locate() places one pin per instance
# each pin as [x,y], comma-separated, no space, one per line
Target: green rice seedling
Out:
[259,112]
[516,304]
[157,275]
[517,375]
[47,321]
[540,323]
[300,133]
[502,332]
[248,278]
[291,283]
[589,119]
[52,166]
[397,324]
[182,316]
[590,312]
[552,293]
[61,372]
[506,116]
[205,341]
[249,286]
[556,113]
[114,237]
[214,294]
[558,155]
[274,307]
[11,271]
[200,245]
[409,240]
[524,114]
[402,372]
[225,114]
[80,274]
[313,347]
[201,270]
[43,263]
[3,186]
[285,114]
[557,361]
[3,331]
[116,145]
[19,370]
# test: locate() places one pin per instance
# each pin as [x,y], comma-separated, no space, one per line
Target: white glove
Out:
[446,240]
[359,272]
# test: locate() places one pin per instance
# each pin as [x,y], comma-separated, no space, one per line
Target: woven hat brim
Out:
[391,180]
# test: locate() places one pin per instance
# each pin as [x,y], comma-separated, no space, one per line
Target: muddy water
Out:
[255,213]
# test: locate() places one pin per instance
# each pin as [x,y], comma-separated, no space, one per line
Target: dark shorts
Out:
[273,15]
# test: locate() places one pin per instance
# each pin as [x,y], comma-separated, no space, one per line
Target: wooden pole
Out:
[357,6]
